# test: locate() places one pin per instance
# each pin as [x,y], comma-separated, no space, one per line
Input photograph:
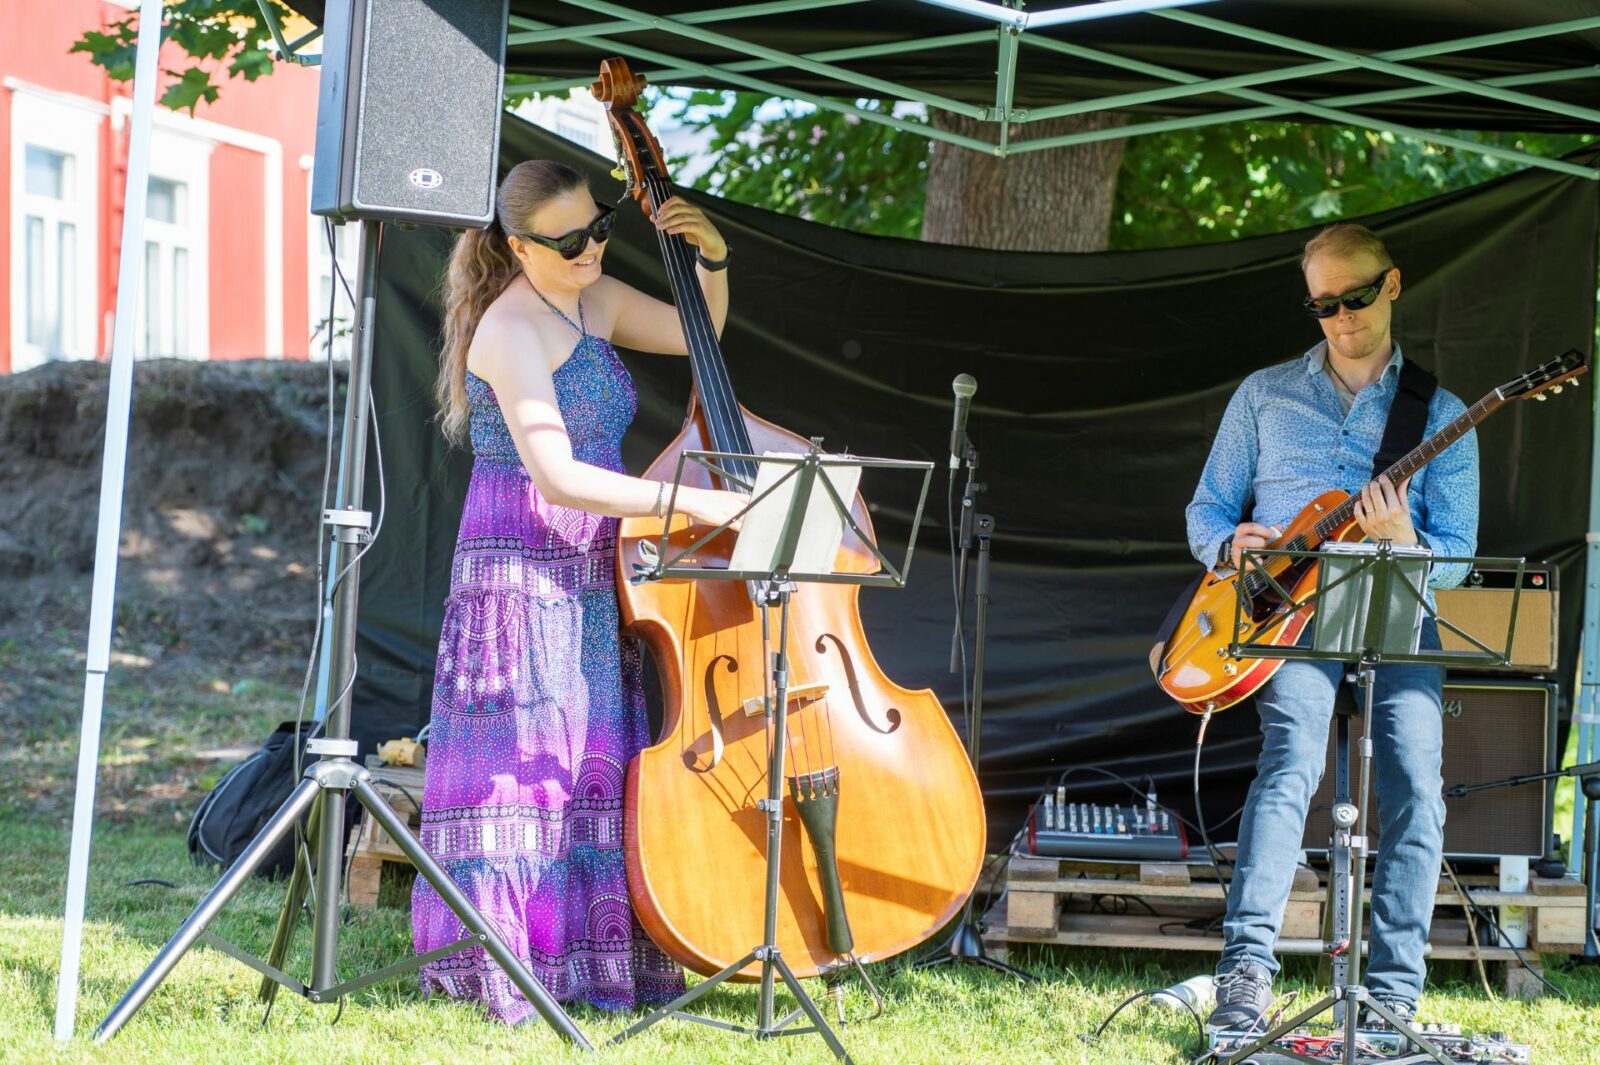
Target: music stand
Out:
[1370,600]
[791,531]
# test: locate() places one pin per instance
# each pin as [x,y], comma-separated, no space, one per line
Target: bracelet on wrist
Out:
[719,264]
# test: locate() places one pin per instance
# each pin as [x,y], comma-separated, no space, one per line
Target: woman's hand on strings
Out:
[677,215]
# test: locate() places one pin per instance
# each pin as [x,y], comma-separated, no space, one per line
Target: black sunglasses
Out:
[1355,299]
[571,245]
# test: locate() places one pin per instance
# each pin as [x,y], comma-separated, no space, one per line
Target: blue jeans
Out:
[1296,708]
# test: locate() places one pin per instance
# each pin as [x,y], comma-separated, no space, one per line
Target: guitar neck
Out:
[1417,458]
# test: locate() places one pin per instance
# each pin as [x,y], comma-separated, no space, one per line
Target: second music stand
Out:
[1370,608]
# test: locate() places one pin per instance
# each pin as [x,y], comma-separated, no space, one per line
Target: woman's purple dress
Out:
[537,708]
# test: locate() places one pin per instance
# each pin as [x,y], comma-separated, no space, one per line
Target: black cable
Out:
[1199,1025]
[1485,915]
[1205,837]
[959,600]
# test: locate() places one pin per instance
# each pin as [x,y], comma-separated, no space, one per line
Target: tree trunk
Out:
[1053,200]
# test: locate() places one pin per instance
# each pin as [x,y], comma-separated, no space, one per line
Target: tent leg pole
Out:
[112,471]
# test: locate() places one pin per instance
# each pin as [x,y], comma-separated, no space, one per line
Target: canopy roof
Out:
[1413,67]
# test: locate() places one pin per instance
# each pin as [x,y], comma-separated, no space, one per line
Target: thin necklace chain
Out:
[582,328]
[580,325]
[1328,361]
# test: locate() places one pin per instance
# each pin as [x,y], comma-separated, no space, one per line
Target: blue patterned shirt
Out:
[1285,439]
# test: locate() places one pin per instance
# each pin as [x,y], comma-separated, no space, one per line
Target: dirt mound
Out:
[221,511]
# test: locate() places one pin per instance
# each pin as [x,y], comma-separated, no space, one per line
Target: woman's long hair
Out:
[481,266]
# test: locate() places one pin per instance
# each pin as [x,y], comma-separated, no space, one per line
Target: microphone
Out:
[964,386]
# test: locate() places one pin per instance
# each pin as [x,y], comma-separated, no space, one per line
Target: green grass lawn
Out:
[169,732]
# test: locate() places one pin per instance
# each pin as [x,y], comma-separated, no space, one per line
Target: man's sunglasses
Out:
[570,245]
[1356,299]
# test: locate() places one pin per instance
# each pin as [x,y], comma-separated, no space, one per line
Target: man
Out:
[1291,432]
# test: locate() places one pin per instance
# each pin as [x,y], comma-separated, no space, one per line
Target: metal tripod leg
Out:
[298,803]
[434,874]
[331,778]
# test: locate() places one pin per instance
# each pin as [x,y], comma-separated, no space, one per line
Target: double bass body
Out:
[910,831]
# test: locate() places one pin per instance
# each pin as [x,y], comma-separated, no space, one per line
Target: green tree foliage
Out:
[791,157]
[1185,187]
[226,33]
[1247,179]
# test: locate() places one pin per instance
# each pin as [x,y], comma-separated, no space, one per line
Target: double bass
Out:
[883,823]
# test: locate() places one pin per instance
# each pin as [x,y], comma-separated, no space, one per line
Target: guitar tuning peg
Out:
[1541,397]
[619,173]
[1557,389]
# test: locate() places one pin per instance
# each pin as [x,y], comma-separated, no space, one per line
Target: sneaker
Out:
[1243,995]
[1372,1021]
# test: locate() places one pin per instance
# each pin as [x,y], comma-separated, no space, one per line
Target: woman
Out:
[537,704]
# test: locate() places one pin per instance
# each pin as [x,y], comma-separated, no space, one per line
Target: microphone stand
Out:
[966,944]
[969,504]
[1588,778]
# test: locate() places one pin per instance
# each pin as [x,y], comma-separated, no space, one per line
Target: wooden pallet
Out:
[1091,904]
[370,846]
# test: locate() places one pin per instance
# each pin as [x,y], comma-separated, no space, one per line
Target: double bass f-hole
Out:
[891,714]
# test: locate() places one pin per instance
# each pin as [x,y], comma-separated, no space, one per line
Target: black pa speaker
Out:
[408,113]
[1493,729]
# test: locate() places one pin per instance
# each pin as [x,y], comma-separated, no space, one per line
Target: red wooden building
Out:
[234,265]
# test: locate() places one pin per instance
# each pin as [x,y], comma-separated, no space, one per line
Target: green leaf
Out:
[192,86]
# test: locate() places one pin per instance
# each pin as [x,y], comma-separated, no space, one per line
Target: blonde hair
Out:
[1346,240]
[481,266]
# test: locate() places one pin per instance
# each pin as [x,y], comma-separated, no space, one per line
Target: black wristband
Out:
[1225,554]
[720,264]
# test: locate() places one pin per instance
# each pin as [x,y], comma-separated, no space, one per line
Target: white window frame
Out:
[319,268]
[68,125]
[177,156]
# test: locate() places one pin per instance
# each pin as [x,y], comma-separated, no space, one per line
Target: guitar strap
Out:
[1408,416]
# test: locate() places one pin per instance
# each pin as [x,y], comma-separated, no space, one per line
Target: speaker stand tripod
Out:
[327,781]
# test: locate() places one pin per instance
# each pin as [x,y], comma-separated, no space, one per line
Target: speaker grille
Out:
[1492,730]
[409,114]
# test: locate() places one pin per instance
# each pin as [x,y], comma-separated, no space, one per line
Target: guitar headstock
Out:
[638,154]
[1549,378]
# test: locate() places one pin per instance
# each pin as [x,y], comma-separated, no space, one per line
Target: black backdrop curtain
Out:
[1101,379]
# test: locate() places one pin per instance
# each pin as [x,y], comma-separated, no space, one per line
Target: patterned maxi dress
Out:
[537,708]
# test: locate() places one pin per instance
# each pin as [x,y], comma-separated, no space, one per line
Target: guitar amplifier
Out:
[1481,606]
[1493,729]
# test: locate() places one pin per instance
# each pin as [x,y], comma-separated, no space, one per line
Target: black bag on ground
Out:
[246,798]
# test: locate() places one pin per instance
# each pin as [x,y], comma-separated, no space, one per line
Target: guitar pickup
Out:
[1205,623]
[800,697]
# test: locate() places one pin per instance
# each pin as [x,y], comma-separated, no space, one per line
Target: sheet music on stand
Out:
[794,525]
[760,542]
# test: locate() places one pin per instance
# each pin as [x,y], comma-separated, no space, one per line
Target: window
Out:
[164,324]
[347,239]
[55,157]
